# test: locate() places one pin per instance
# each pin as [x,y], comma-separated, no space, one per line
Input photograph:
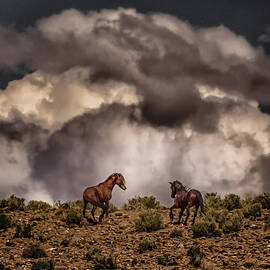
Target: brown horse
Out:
[100,194]
[185,199]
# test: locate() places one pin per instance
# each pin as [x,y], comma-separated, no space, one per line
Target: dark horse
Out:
[185,199]
[100,194]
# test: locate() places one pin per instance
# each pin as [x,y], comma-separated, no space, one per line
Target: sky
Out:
[155,90]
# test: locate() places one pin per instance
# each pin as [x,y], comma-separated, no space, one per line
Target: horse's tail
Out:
[200,198]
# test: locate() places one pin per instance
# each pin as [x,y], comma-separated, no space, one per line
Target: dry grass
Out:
[139,238]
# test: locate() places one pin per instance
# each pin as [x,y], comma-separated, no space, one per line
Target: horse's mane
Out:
[186,188]
[114,174]
[179,186]
[110,176]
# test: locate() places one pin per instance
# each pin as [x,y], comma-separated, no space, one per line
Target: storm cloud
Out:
[150,96]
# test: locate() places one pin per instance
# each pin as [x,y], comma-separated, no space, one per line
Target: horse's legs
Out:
[195,214]
[102,214]
[171,212]
[93,212]
[84,207]
[188,213]
[107,208]
[180,215]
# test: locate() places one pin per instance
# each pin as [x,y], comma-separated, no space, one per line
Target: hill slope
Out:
[67,244]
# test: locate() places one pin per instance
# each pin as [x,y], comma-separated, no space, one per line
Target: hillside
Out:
[238,238]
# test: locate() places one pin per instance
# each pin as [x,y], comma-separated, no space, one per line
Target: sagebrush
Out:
[149,221]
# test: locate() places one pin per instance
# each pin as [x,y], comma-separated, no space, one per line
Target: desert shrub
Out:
[90,255]
[3,204]
[104,262]
[195,255]
[146,245]
[247,201]
[217,220]
[207,227]
[10,244]
[65,241]
[112,208]
[43,264]
[232,201]
[36,218]
[252,210]
[42,237]
[134,262]
[264,200]
[38,205]
[233,222]
[59,212]
[34,250]
[267,222]
[142,202]
[208,266]
[2,267]
[163,259]
[5,221]
[150,202]
[23,230]
[148,221]
[176,233]
[220,216]
[66,205]
[13,203]
[212,200]
[72,217]
[78,204]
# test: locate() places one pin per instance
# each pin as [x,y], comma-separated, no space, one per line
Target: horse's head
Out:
[172,189]
[120,180]
[175,186]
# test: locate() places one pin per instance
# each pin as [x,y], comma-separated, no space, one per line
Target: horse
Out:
[185,200]
[100,194]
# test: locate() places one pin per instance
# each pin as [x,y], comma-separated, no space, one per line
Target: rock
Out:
[265,265]
[248,264]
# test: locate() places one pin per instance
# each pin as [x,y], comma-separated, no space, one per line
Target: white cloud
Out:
[179,78]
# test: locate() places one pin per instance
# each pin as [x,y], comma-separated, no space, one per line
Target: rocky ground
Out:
[247,249]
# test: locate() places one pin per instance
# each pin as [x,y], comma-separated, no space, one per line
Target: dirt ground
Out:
[246,249]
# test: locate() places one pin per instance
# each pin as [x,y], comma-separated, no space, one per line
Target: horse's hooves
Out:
[90,220]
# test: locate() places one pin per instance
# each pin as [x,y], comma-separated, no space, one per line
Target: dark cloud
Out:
[7,75]
[166,71]
[194,89]
[18,130]
[31,136]
[264,170]
[74,155]
[20,142]
[172,109]
[264,107]
[250,22]
[265,37]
